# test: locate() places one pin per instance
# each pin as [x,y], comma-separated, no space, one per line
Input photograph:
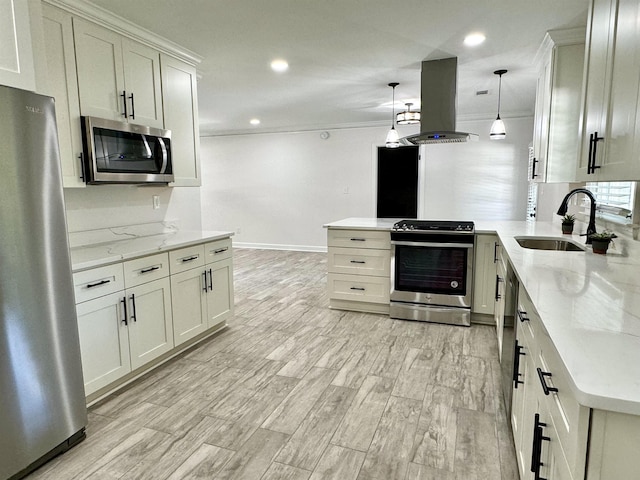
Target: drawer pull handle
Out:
[150,269]
[97,284]
[358,239]
[516,365]
[358,288]
[220,250]
[522,315]
[358,261]
[189,259]
[545,387]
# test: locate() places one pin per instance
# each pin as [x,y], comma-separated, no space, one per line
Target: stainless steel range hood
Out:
[438,111]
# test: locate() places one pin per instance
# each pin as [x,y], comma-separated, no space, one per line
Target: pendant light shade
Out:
[408,117]
[498,132]
[393,139]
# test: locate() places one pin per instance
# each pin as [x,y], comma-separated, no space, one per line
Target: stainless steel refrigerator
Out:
[42,404]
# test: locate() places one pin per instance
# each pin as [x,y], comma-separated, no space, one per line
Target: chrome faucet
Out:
[591,228]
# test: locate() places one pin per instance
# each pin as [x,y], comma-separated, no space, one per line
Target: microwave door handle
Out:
[164,155]
[146,146]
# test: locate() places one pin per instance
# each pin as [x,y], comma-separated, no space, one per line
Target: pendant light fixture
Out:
[408,117]
[393,139]
[498,131]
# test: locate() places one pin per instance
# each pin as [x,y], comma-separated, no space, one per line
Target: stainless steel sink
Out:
[549,243]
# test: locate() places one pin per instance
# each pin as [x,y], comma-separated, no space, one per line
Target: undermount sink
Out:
[549,243]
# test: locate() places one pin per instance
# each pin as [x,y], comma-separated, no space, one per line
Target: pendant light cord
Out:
[393,86]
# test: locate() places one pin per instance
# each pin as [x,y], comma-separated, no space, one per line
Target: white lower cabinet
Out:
[359,266]
[202,295]
[484,275]
[133,313]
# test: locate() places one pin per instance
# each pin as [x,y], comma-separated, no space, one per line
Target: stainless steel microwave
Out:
[119,152]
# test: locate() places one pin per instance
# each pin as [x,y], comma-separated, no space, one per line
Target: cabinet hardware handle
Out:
[97,284]
[495,252]
[220,250]
[536,451]
[133,308]
[358,239]
[522,315]
[150,269]
[546,388]
[124,101]
[124,304]
[133,107]
[81,157]
[593,148]
[358,288]
[189,259]
[516,365]
[210,281]
[533,169]
[204,281]
[498,280]
[358,261]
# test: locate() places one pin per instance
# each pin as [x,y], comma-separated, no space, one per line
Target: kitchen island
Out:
[588,307]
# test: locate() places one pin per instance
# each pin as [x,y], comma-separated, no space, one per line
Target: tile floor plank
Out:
[338,463]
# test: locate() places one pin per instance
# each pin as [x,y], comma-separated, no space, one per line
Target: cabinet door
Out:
[484,275]
[180,104]
[63,86]
[150,321]
[220,295]
[189,304]
[499,307]
[142,84]
[100,71]
[541,122]
[16,61]
[104,341]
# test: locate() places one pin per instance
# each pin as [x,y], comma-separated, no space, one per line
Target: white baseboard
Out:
[276,246]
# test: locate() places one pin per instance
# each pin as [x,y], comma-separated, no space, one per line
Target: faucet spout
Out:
[591,228]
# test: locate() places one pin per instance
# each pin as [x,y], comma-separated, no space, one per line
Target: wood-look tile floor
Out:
[294,390]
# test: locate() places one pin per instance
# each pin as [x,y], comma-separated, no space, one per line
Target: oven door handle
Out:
[433,244]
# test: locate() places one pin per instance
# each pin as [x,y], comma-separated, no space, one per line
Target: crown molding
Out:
[121,25]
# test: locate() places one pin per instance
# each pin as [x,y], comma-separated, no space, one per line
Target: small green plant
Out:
[569,219]
[603,235]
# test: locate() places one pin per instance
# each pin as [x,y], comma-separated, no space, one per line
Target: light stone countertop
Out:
[96,248]
[589,304]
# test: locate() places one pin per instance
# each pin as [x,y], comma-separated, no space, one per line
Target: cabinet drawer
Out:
[146,269]
[98,282]
[527,318]
[363,288]
[569,418]
[359,238]
[218,250]
[186,258]
[360,261]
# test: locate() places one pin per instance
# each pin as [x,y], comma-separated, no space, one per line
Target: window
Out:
[614,200]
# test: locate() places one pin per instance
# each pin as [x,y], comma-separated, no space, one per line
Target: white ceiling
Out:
[343,53]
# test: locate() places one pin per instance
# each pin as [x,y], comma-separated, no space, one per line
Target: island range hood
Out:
[438,111]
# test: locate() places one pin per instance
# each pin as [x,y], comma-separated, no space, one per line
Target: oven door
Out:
[432,273]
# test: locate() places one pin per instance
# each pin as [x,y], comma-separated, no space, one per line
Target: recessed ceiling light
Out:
[279,65]
[254,121]
[474,39]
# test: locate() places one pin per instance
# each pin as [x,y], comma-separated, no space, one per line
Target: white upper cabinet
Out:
[611,120]
[16,53]
[63,86]
[118,78]
[179,89]
[556,137]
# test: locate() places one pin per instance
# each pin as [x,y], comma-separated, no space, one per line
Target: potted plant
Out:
[600,241]
[567,223]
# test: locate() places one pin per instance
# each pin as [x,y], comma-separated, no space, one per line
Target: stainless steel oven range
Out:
[431,271]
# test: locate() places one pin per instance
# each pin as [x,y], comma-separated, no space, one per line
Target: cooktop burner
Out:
[434,226]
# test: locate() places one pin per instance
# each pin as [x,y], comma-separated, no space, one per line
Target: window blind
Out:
[614,200]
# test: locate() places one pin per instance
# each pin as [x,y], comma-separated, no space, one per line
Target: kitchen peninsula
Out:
[579,315]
